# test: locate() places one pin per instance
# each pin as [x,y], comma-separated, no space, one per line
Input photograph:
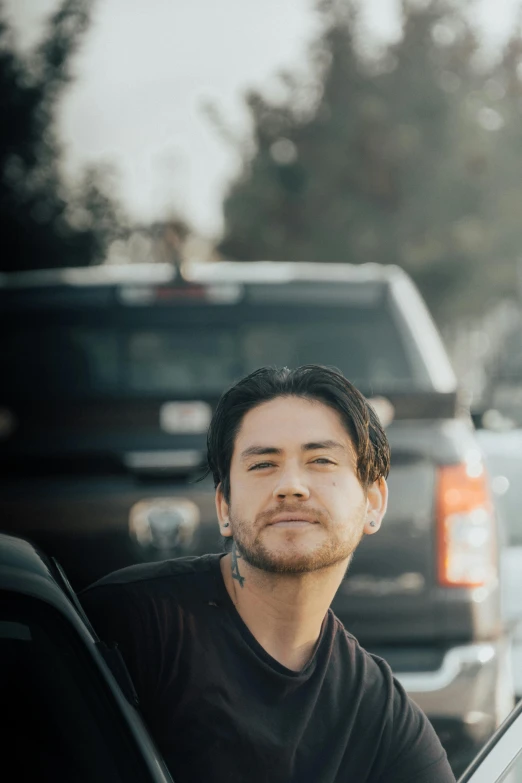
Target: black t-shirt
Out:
[222,710]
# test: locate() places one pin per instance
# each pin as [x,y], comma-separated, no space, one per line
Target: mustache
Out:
[266,517]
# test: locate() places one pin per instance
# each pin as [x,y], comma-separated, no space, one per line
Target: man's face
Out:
[296,504]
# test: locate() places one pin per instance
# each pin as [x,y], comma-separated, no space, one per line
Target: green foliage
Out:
[411,157]
[41,223]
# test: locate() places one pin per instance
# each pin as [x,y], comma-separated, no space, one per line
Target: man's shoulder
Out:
[147,576]
[361,662]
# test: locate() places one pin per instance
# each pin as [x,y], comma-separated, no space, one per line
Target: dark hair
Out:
[312,382]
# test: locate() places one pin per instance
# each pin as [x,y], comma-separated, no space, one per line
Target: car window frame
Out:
[495,759]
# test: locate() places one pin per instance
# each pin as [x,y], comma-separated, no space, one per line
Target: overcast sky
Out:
[147,68]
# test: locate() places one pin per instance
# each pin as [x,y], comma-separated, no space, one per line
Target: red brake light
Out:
[467,546]
[165,294]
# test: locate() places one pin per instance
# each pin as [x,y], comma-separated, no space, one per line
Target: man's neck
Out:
[283,612]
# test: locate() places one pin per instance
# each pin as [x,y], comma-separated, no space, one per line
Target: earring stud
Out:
[227,524]
[372,523]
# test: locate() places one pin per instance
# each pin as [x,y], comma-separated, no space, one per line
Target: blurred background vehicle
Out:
[503,454]
[111,376]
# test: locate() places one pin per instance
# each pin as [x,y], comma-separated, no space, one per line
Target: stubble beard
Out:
[329,553]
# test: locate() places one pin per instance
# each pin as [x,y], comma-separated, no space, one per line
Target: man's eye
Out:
[259,465]
[324,461]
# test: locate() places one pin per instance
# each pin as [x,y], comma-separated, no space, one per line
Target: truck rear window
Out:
[202,351]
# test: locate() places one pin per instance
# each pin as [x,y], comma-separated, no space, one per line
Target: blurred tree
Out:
[387,158]
[42,224]
[501,109]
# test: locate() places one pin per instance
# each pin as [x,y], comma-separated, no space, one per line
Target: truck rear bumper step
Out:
[456,661]
[473,685]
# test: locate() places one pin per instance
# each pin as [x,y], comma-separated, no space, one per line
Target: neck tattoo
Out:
[235,557]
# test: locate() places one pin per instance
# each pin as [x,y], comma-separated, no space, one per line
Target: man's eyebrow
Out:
[256,451]
[323,444]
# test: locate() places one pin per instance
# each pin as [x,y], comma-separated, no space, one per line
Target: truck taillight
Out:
[467,545]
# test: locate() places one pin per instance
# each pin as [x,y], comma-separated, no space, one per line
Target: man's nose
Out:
[291,484]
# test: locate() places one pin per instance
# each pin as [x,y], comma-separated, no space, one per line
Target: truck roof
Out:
[211,272]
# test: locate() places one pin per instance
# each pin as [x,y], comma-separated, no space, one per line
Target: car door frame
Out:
[37,581]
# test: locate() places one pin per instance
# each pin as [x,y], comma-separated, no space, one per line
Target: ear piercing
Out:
[372,523]
[227,524]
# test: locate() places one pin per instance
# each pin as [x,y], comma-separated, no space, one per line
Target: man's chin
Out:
[292,563]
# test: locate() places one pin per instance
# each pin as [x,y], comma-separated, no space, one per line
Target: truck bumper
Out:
[469,685]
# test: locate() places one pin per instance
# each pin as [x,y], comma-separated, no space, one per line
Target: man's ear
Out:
[222,509]
[376,504]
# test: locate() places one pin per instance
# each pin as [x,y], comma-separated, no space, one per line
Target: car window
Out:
[513,775]
[202,350]
[501,759]
[209,359]
[58,361]
[59,721]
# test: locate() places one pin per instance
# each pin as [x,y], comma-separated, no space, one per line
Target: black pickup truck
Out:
[109,378]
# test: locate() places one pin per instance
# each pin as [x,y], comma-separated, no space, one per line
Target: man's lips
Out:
[292,520]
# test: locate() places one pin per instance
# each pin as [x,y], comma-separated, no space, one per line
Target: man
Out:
[243,672]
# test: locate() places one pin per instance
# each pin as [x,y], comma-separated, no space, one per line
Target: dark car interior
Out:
[58,724]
